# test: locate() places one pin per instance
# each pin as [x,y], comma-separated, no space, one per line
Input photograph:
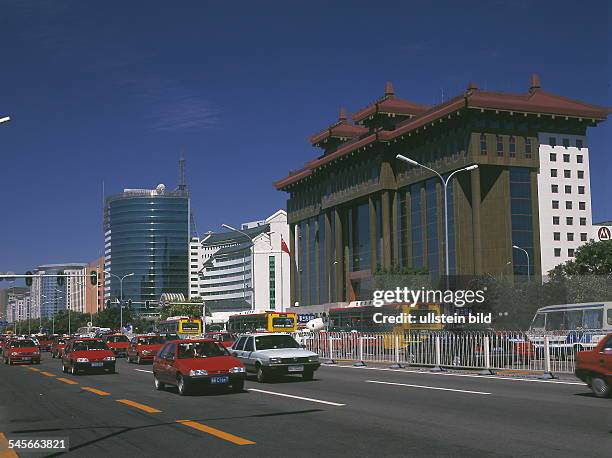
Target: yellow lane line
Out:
[67,380]
[138,406]
[5,451]
[216,432]
[96,391]
[48,374]
[32,368]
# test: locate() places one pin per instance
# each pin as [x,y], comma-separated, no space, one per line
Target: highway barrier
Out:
[517,351]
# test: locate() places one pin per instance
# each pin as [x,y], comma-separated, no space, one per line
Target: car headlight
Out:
[146,352]
[313,359]
[82,360]
[237,370]
[195,372]
[14,353]
[109,358]
[275,361]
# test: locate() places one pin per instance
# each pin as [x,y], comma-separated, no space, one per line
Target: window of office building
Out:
[359,237]
[583,221]
[566,143]
[512,147]
[581,174]
[555,204]
[553,157]
[583,236]
[570,236]
[578,143]
[554,188]
[579,158]
[566,158]
[570,252]
[323,260]
[313,236]
[556,236]
[580,189]
[483,145]
[569,220]
[402,213]
[553,173]
[556,220]
[521,218]
[552,141]
[568,204]
[417,225]
[432,227]
[568,189]
[302,266]
[582,205]
[567,173]
[528,152]
[500,145]
[557,252]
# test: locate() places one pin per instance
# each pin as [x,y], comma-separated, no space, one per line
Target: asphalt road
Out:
[344,411]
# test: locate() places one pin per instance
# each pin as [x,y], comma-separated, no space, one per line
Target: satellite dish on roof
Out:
[161,188]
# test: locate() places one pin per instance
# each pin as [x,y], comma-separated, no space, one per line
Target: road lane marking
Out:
[32,368]
[138,406]
[67,380]
[96,391]
[512,379]
[216,432]
[5,451]
[297,397]
[48,374]
[143,370]
[426,387]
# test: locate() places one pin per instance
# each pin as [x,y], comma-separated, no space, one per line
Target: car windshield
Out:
[275,341]
[152,340]
[22,343]
[200,350]
[116,339]
[85,345]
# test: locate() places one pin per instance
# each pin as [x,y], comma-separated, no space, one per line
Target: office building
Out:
[146,242]
[356,207]
[49,297]
[222,273]
[18,304]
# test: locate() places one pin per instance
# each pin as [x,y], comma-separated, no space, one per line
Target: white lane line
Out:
[426,387]
[297,397]
[143,370]
[512,379]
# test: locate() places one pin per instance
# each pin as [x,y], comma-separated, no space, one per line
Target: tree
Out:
[182,309]
[592,258]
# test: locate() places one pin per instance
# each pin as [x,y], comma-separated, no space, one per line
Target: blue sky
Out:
[114,91]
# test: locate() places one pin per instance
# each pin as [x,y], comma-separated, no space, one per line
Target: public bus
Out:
[362,318]
[262,321]
[182,326]
[571,327]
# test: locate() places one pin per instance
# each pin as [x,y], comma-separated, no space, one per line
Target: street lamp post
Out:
[252,261]
[445,184]
[527,254]
[120,294]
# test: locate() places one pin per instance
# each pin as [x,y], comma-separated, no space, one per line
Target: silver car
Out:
[274,354]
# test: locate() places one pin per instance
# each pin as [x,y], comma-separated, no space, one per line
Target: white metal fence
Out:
[511,351]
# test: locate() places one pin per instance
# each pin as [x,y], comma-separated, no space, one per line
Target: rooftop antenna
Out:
[183,187]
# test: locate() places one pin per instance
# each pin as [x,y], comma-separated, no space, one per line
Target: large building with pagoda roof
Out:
[356,207]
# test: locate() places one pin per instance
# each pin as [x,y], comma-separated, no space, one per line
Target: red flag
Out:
[284,247]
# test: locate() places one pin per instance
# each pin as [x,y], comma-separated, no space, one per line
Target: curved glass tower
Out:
[147,234]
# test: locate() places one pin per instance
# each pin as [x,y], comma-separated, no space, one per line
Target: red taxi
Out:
[197,362]
[594,367]
[21,351]
[226,339]
[57,347]
[86,354]
[144,348]
[118,343]
[44,341]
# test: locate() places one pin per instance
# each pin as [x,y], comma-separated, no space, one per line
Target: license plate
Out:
[97,364]
[26,359]
[296,369]
[219,380]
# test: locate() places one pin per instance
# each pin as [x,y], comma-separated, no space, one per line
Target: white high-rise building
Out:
[564,194]
[222,273]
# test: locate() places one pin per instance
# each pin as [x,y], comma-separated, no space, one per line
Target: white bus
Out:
[574,326]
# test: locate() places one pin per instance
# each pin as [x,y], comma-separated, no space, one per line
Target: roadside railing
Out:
[502,351]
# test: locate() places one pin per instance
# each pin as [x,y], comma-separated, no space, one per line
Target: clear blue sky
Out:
[113,91]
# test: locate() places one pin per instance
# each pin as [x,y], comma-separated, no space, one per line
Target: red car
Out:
[57,347]
[226,339]
[144,348]
[86,354]
[198,362]
[118,343]
[44,342]
[594,367]
[21,351]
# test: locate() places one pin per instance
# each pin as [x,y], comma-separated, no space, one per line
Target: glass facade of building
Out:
[522,219]
[146,233]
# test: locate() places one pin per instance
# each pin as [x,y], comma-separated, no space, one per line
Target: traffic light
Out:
[108,303]
[147,304]
[28,280]
[60,278]
[93,277]
[129,303]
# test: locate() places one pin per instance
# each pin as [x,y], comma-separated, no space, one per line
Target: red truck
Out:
[594,367]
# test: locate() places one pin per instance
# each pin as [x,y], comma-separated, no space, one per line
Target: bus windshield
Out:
[282,322]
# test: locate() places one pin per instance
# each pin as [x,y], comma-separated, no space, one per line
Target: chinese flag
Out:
[284,247]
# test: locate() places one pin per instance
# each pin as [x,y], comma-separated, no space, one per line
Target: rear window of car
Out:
[22,343]
[116,339]
[85,345]
[153,340]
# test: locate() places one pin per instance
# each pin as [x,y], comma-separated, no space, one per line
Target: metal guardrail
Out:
[512,351]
